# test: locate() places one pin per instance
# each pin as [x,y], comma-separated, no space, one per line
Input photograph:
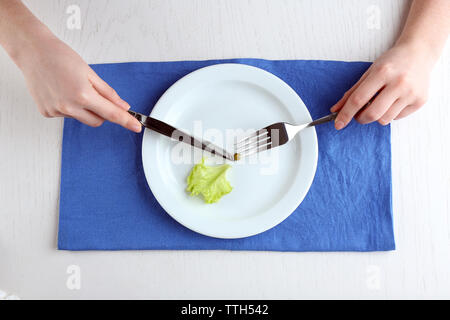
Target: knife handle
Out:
[153,124]
[178,135]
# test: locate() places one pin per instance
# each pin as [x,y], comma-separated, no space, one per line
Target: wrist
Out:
[422,47]
[27,38]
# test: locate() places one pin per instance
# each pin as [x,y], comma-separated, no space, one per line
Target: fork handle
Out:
[325,119]
[333,115]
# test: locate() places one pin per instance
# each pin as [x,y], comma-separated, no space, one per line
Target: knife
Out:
[178,135]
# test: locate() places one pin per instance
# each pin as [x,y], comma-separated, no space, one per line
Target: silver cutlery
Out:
[178,135]
[273,136]
[278,134]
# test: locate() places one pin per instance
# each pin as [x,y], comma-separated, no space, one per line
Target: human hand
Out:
[63,85]
[401,79]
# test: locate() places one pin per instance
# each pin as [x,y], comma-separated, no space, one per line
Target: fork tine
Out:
[256,142]
[253,143]
[256,149]
[250,137]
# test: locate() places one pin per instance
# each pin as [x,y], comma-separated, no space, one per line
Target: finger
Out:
[407,111]
[344,98]
[360,97]
[87,117]
[379,105]
[393,111]
[106,91]
[58,114]
[109,111]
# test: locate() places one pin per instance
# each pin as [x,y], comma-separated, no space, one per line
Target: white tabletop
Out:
[116,31]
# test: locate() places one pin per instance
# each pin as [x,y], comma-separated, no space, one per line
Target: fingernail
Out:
[339,125]
[123,104]
[137,127]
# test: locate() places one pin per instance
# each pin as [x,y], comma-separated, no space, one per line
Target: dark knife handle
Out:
[325,119]
[178,135]
[156,125]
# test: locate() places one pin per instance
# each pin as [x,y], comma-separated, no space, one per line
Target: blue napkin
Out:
[106,204]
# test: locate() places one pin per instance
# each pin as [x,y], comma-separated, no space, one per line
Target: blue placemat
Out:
[105,203]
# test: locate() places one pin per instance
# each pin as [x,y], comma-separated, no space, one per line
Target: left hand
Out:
[401,79]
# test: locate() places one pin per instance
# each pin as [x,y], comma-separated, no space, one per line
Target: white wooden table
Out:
[116,31]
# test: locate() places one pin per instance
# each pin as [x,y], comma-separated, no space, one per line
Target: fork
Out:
[273,136]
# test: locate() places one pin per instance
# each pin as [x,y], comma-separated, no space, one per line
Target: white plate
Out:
[267,187]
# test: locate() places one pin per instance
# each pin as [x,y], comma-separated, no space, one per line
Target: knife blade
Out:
[178,135]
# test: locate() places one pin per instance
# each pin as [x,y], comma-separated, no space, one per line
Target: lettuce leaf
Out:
[209,181]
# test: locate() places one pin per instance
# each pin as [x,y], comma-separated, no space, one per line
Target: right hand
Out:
[63,85]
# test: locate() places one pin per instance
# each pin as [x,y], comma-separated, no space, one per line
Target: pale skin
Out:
[400,77]
[63,85]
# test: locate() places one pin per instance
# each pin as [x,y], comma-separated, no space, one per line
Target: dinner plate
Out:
[219,103]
